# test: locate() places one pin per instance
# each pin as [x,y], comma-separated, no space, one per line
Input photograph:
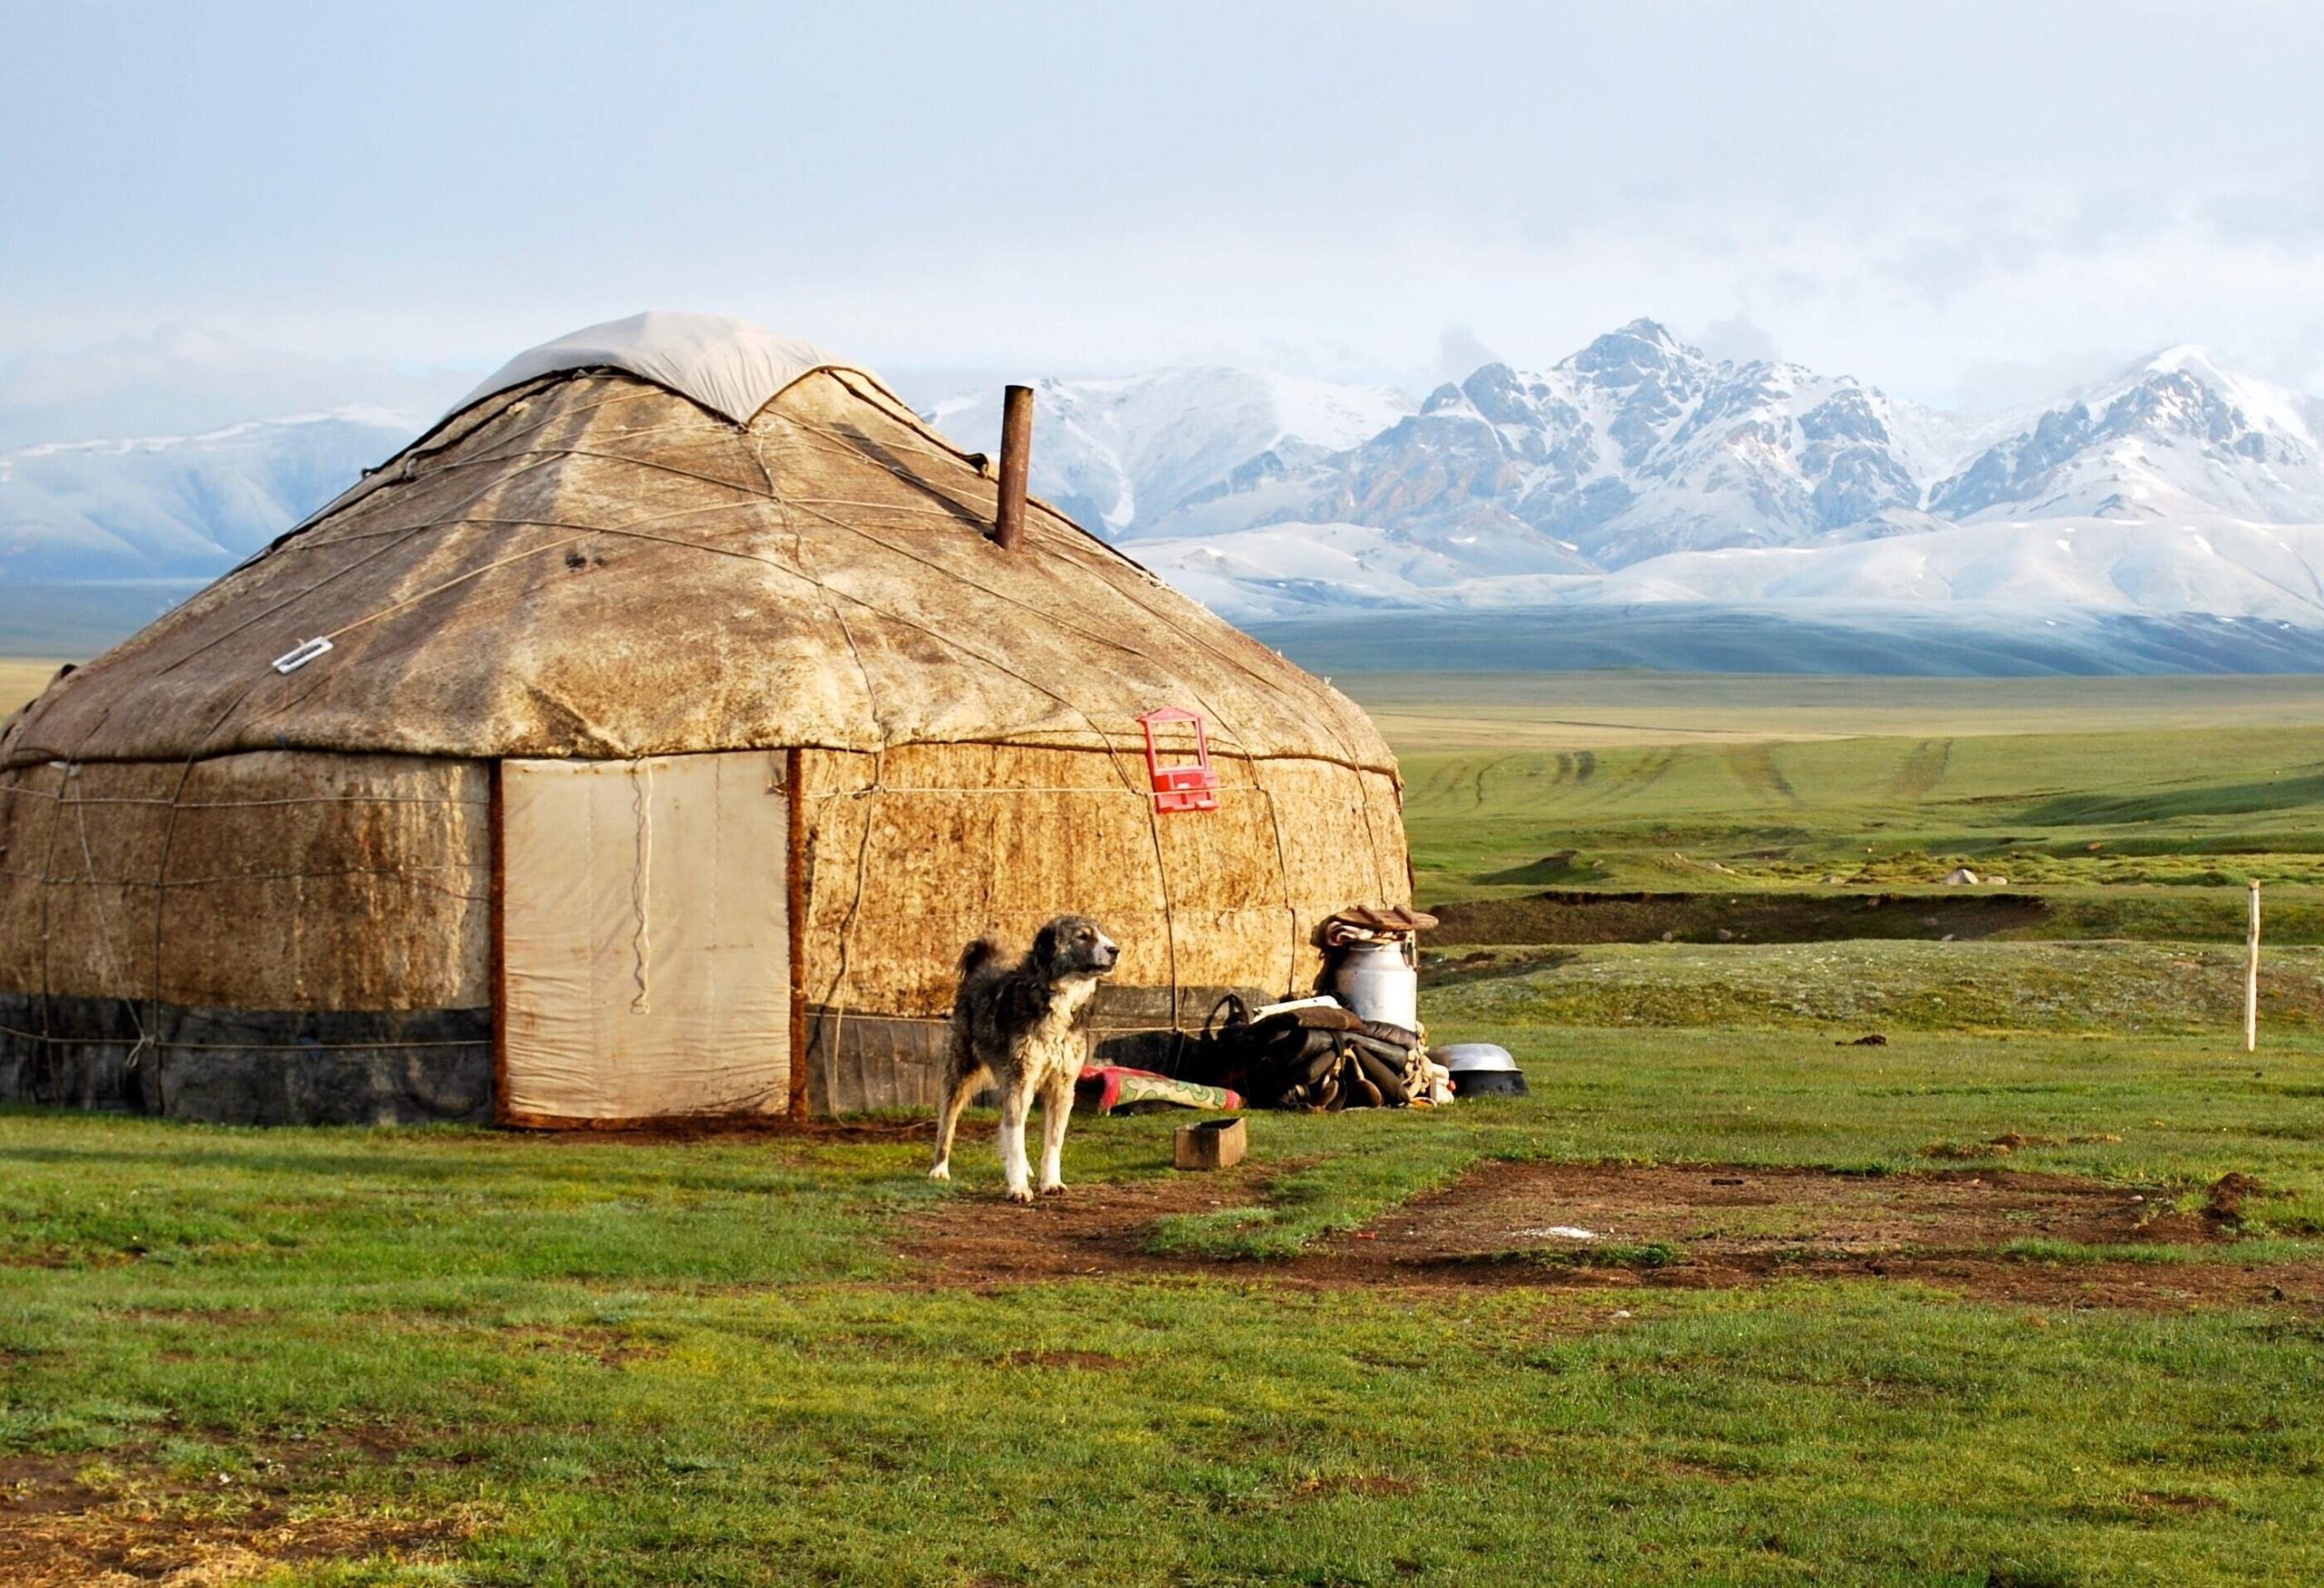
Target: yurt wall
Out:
[269,937]
[293,936]
[915,851]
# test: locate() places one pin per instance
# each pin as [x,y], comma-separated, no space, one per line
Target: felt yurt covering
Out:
[680,721]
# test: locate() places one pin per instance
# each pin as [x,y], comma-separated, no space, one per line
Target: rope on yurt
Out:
[169,839]
[920,440]
[413,533]
[314,799]
[400,872]
[543,455]
[48,887]
[146,1042]
[835,998]
[1169,908]
[397,605]
[877,506]
[641,879]
[104,928]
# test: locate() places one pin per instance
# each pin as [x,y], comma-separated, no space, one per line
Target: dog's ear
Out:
[1044,946]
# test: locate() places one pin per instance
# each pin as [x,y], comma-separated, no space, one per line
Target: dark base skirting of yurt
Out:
[248,1067]
[419,1067]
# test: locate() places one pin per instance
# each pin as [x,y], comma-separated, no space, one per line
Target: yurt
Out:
[643,741]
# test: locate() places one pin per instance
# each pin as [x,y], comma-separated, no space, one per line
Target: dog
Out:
[1022,1027]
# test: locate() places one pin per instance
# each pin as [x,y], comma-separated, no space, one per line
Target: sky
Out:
[209,212]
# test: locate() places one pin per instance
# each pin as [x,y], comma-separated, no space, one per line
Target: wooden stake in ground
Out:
[2251,980]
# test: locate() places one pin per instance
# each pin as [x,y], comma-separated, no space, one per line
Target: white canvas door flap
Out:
[644,938]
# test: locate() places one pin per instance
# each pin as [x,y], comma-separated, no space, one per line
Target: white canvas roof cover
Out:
[727,365]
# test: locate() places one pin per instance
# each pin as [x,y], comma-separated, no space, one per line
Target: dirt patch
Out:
[2223,1204]
[101,1522]
[973,1237]
[609,1347]
[55,1256]
[1710,1214]
[1994,1234]
[1087,1361]
[1375,1484]
[2147,1500]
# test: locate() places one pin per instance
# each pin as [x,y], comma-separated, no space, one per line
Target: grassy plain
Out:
[448,1356]
[21,679]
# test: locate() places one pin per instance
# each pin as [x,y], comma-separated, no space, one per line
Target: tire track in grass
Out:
[1923,769]
[1643,775]
[1754,766]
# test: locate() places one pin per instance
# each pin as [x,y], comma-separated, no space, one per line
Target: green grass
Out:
[1222,1433]
[2193,807]
[1855,986]
[709,1363]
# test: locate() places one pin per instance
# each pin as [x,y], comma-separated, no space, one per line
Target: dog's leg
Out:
[1016,1102]
[1057,1104]
[962,1086]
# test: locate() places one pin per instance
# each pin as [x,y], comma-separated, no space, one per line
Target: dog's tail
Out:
[979,955]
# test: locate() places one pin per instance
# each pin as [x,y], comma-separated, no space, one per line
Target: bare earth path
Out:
[1993,1234]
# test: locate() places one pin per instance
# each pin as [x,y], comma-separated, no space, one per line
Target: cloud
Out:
[1738,337]
[1458,353]
[1989,384]
[181,377]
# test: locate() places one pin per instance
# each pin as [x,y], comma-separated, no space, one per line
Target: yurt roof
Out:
[727,365]
[618,548]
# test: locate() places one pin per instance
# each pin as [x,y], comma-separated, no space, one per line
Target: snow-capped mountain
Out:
[1638,446]
[1634,447]
[2174,435]
[1181,451]
[1638,469]
[190,506]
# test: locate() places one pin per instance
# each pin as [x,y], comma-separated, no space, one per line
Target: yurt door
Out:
[644,938]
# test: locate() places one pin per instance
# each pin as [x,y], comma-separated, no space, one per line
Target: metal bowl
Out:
[1490,1083]
[1466,1058]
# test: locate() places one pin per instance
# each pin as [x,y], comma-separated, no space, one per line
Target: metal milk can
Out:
[1378,981]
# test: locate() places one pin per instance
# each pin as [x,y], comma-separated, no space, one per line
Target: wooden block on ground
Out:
[1211,1144]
